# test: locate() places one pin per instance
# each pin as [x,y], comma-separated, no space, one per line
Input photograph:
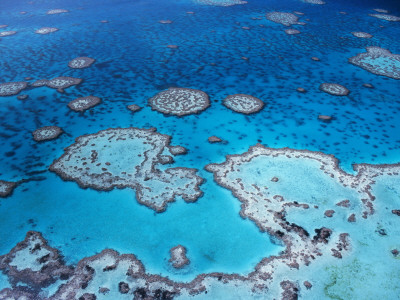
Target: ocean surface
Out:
[220,50]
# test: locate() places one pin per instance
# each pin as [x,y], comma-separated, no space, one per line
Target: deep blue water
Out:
[133,64]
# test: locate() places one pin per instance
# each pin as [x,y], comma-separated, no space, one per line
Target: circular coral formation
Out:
[386,17]
[283,18]
[57,11]
[180,101]
[334,89]
[134,107]
[292,31]
[178,257]
[378,61]
[83,103]
[81,62]
[12,88]
[128,158]
[363,35]
[46,30]
[47,133]
[6,188]
[244,104]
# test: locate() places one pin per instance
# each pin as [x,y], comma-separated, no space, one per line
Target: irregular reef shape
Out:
[7,33]
[283,18]
[334,89]
[128,158]
[47,133]
[180,101]
[178,257]
[244,104]
[84,103]
[57,11]
[363,35]
[34,263]
[60,83]
[386,17]
[378,61]
[6,188]
[12,88]
[134,107]
[81,62]
[46,30]
[248,177]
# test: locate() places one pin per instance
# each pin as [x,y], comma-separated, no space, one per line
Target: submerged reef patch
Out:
[47,133]
[221,2]
[83,103]
[6,188]
[12,88]
[46,30]
[363,35]
[180,101]
[386,17]
[178,257]
[334,89]
[283,18]
[7,33]
[134,107]
[81,62]
[244,104]
[292,31]
[314,1]
[57,11]
[128,158]
[378,61]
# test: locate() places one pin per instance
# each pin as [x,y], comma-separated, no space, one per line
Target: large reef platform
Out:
[273,185]
[129,158]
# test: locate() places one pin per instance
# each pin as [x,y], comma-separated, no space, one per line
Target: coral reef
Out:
[334,89]
[46,30]
[83,103]
[178,257]
[6,188]
[378,61]
[81,62]
[128,157]
[47,133]
[244,104]
[180,101]
[12,88]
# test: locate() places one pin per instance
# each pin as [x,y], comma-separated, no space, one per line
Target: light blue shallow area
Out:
[133,64]
[82,223]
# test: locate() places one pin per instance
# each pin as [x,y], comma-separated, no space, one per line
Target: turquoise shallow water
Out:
[133,63]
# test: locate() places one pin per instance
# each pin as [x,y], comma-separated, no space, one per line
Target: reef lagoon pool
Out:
[199,149]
